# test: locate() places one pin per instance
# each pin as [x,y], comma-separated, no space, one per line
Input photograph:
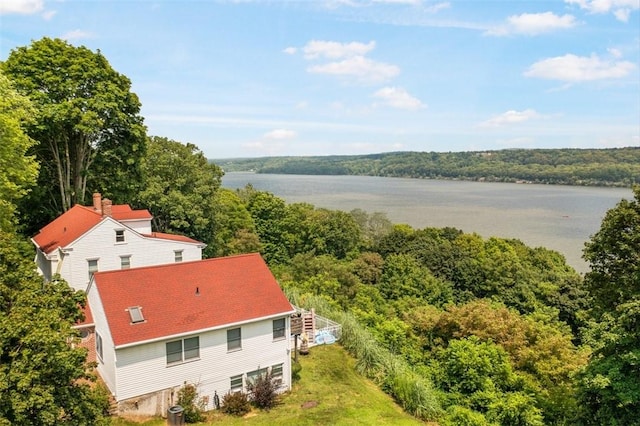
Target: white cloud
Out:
[48,15]
[510,117]
[335,50]
[621,9]
[572,68]
[76,35]
[280,134]
[398,98]
[24,7]
[290,50]
[534,24]
[359,67]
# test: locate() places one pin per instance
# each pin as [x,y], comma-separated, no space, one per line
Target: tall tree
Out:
[86,119]
[610,389]
[18,171]
[179,190]
[44,380]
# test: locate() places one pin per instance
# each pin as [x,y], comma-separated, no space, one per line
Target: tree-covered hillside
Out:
[603,167]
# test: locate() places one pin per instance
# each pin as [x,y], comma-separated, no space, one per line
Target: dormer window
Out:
[119,235]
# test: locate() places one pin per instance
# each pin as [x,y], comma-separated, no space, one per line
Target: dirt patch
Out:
[310,404]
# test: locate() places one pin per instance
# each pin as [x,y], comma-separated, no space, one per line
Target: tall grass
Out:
[389,371]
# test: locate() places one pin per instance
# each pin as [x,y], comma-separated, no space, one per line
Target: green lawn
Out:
[328,379]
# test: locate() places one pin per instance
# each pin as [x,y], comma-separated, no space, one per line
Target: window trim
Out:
[91,270]
[99,347]
[233,341]
[120,238]
[279,333]
[126,265]
[236,388]
[183,351]
[178,256]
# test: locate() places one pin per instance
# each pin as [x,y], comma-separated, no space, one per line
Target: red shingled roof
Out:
[188,296]
[88,317]
[173,237]
[123,212]
[66,228]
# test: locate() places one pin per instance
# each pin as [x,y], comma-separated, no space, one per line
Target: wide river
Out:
[561,218]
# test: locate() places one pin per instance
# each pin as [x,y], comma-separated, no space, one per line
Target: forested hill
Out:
[593,167]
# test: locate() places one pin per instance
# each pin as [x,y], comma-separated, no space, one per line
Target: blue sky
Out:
[257,78]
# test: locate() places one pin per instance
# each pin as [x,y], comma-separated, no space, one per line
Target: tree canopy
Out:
[90,135]
[43,379]
[19,170]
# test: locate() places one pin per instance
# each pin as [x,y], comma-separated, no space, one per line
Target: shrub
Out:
[188,400]
[236,404]
[263,391]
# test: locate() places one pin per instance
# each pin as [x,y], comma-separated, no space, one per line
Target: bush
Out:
[263,391]
[236,404]
[188,400]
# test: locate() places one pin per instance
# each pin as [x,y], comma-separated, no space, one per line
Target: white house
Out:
[213,323]
[105,237]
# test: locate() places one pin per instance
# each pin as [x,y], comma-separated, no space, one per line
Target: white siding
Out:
[143,369]
[106,364]
[141,226]
[43,264]
[100,243]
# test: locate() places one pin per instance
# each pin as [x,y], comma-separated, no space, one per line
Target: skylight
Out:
[135,312]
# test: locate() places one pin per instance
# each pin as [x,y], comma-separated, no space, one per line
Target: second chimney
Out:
[97,202]
[106,207]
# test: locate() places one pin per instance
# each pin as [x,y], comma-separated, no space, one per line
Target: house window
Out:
[278,328]
[99,345]
[253,375]
[236,383]
[234,339]
[178,255]
[276,371]
[119,235]
[183,350]
[125,262]
[92,266]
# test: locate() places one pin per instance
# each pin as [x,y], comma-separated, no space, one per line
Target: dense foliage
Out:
[43,379]
[605,167]
[86,123]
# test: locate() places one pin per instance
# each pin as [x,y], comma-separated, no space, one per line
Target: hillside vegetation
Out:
[602,167]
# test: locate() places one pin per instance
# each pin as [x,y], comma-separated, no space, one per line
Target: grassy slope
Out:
[343,397]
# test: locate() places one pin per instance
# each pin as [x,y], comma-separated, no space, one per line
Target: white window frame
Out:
[92,270]
[234,343]
[178,255]
[120,238]
[125,261]
[99,347]
[234,386]
[279,331]
[186,355]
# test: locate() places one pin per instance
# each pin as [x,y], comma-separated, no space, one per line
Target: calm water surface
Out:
[561,218]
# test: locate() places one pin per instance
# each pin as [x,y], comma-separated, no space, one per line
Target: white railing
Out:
[319,330]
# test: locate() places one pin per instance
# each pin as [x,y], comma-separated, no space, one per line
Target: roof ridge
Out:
[175,264]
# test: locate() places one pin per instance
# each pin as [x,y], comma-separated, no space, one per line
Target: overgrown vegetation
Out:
[602,167]
[263,391]
[191,403]
[236,404]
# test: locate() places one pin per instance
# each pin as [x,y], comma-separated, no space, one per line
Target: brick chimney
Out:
[106,207]
[97,202]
